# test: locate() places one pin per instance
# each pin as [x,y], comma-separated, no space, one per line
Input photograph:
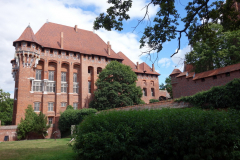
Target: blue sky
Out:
[16,15]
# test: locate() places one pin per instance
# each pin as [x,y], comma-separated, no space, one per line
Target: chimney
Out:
[137,66]
[62,40]
[75,28]
[108,48]
[153,68]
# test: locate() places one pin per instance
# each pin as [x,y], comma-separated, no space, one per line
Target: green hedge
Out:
[226,96]
[189,134]
[153,100]
[73,117]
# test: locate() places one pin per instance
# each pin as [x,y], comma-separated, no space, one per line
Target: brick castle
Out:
[58,66]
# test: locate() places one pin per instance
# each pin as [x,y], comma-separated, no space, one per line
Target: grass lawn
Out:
[42,149]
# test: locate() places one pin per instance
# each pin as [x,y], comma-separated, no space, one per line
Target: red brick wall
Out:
[8,131]
[182,86]
[64,63]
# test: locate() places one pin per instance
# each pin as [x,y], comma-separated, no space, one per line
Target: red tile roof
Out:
[222,70]
[182,74]
[142,67]
[190,74]
[164,93]
[175,71]
[82,41]
[27,35]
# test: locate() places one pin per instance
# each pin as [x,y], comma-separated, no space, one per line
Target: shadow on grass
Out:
[52,153]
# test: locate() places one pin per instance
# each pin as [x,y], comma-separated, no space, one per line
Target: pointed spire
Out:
[27,35]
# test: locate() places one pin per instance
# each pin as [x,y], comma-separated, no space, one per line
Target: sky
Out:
[16,15]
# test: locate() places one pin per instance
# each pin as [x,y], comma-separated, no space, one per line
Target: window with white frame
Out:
[38,74]
[63,104]
[37,86]
[75,87]
[63,77]
[75,105]
[51,87]
[36,106]
[50,120]
[50,106]
[51,75]
[74,77]
[64,87]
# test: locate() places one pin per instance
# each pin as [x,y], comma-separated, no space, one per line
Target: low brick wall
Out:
[156,105]
[9,131]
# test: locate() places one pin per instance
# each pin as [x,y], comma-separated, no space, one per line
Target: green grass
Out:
[44,149]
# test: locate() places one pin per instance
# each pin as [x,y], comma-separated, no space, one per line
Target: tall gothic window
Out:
[63,77]
[75,83]
[51,75]
[152,92]
[144,92]
[38,74]
[89,86]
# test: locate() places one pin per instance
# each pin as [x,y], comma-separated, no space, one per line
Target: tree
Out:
[221,50]
[69,107]
[116,87]
[6,108]
[165,24]
[169,86]
[32,123]
[162,87]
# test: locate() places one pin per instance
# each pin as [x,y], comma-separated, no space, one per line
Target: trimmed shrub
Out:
[153,100]
[217,97]
[189,134]
[69,107]
[73,117]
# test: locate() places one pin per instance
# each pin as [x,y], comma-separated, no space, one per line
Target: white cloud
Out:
[136,11]
[15,16]
[178,59]
[165,62]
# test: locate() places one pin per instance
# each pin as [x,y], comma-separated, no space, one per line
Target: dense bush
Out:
[189,134]
[69,107]
[217,97]
[73,117]
[153,100]
[33,123]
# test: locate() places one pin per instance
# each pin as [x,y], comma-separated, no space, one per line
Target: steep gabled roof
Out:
[27,35]
[143,67]
[82,41]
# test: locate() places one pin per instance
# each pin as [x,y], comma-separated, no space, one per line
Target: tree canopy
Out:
[6,108]
[116,87]
[220,50]
[166,21]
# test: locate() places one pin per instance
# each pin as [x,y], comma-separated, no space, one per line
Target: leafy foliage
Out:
[162,86]
[116,87]
[165,24]
[217,97]
[73,117]
[169,86]
[153,100]
[189,134]
[32,123]
[6,108]
[69,107]
[219,50]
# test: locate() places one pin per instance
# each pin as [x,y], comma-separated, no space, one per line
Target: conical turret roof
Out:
[175,71]
[27,35]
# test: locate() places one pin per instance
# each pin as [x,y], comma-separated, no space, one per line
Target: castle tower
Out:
[27,55]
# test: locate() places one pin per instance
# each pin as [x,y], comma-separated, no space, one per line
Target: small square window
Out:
[63,104]
[227,74]
[214,77]
[202,79]
[36,106]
